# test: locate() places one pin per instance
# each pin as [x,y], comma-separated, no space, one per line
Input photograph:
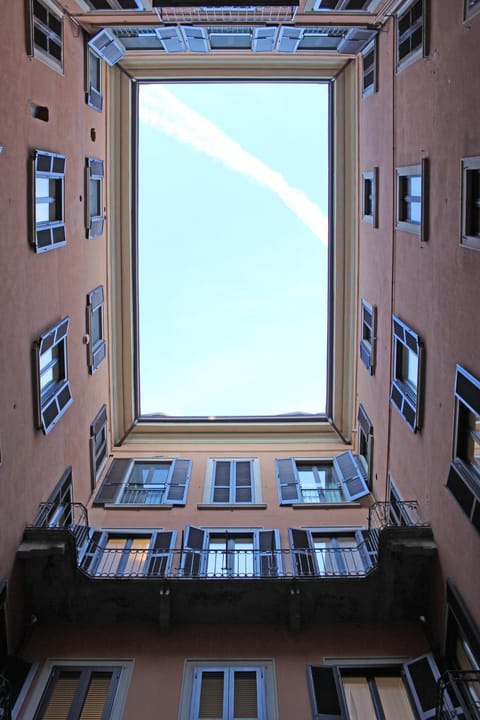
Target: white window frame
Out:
[370,199]
[469,166]
[403,221]
[33,23]
[190,689]
[372,87]
[96,351]
[55,394]
[256,485]
[126,669]
[422,49]
[93,90]
[407,395]
[368,335]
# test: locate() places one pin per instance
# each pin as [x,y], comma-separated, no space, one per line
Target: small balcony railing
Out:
[5,699]
[459,695]
[395,514]
[214,12]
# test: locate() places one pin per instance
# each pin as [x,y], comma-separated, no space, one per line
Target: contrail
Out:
[160,109]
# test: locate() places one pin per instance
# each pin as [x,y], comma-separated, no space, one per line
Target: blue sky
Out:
[233,201]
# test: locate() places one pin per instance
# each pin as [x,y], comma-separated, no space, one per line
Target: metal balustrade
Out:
[395,514]
[458,695]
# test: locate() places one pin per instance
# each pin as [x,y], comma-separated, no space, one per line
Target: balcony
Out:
[458,695]
[215,12]
[69,573]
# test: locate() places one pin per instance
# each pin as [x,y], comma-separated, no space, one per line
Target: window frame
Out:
[56,395]
[54,230]
[365,439]
[93,90]
[255,484]
[34,23]
[156,563]
[305,555]
[94,175]
[470,165]
[191,685]
[96,351]
[120,472]
[406,398]
[124,668]
[368,88]
[470,12]
[403,220]
[98,452]
[420,50]
[370,198]
[368,327]
[58,510]
[463,480]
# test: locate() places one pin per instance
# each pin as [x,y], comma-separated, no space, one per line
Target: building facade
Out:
[322,567]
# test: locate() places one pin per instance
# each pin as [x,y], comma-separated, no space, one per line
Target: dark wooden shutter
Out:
[324,693]
[194,551]
[287,478]
[350,474]
[113,481]
[178,485]
[268,557]
[421,676]
[160,555]
[303,558]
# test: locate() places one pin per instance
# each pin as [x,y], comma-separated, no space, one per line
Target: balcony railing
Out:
[216,12]
[459,695]
[5,702]
[395,514]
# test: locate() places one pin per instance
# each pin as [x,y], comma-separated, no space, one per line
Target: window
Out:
[111,554]
[365,442]
[232,482]
[411,32]
[145,482]
[369,69]
[463,649]
[97,347]
[77,689]
[412,199]
[94,196]
[57,511]
[367,690]
[338,5]
[406,390]
[398,511]
[368,339]
[93,95]
[233,553]
[48,215]
[369,197]
[98,444]
[471,7]
[471,202]
[321,481]
[229,689]
[53,395]
[464,476]
[45,33]
[329,553]
[115,4]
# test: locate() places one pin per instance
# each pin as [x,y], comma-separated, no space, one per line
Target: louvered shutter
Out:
[243,481]
[303,557]
[107,47]
[289,39]
[324,693]
[355,41]
[287,478]
[94,175]
[221,481]
[62,688]
[193,551]
[196,39]
[113,481]
[92,555]
[79,693]
[351,475]
[245,694]
[160,554]
[264,39]
[212,695]
[462,489]
[366,549]
[98,697]
[96,351]
[267,552]
[178,482]
[421,675]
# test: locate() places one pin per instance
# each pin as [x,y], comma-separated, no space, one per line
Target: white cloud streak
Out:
[161,110]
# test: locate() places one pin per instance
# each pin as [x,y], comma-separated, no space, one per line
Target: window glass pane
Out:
[241,562]
[211,696]
[409,367]
[136,556]
[415,185]
[94,198]
[394,698]
[93,70]
[415,214]
[154,474]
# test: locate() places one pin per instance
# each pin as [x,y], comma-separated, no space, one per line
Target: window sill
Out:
[138,506]
[324,506]
[470,241]
[231,506]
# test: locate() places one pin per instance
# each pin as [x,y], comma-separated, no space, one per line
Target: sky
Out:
[233,248]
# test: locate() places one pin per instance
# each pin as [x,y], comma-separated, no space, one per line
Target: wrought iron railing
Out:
[322,495]
[141,495]
[5,699]
[395,514]
[459,695]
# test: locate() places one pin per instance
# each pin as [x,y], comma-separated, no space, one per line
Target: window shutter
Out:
[289,39]
[465,495]
[91,556]
[196,38]
[350,474]
[467,389]
[324,693]
[212,693]
[303,559]
[245,695]
[243,481]
[264,39]
[171,39]
[364,421]
[287,478]
[178,484]
[408,406]
[269,560]
[95,174]
[75,691]
[221,481]
[366,549]
[113,481]
[99,421]
[56,407]
[195,541]
[107,47]
[355,41]
[160,554]
[94,98]
[421,675]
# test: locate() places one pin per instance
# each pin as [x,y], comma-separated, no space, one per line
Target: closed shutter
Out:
[287,478]
[93,206]
[245,694]
[179,479]
[113,481]
[160,554]
[421,676]
[351,475]
[324,693]
[193,551]
[79,693]
[243,481]
[212,695]
[221,481]
[270,564]
[303,558]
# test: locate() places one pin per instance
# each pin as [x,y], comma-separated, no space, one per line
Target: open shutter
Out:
[91,555]
[421,676]
[269,560]
[243,477]
[355,41]
[113,481]
[351,475]
[178,485]
[196,38]
[107,47]
[160,554]
[289,39]
[171,39]
[287,478]
[303,559]
[264,39]
[366,549]
[324,693]
[193,551]
[96,352]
